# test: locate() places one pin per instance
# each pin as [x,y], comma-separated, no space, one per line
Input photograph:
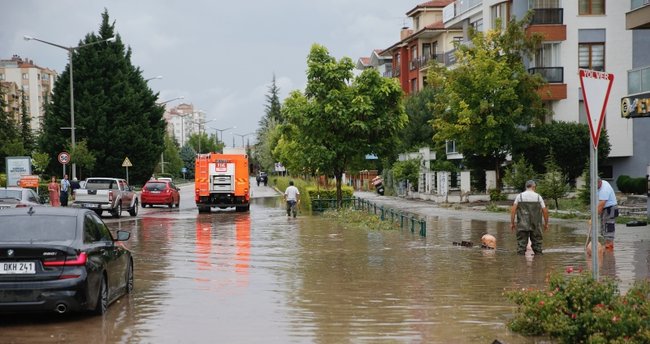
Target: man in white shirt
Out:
[292,197]
[65,188]
[608,211]
[529,208]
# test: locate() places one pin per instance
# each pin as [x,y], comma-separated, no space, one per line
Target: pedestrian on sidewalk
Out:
[65,188]
[529,209]
[54,191]
[608,211]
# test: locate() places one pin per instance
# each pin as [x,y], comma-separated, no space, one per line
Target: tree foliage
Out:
[188,156]
[26,133]
[115,111]
[340,118]
[519,173]
[553,184]
[489,96]
[407,170]
[267,133]
[8,131]
[418,132]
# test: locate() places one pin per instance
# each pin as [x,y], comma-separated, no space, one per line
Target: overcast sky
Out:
[220,55]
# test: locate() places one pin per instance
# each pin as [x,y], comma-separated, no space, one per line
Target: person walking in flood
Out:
[54,192]
[608,211]
[529,209]
[292,197]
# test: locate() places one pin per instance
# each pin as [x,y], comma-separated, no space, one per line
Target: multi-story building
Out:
[427,40]
[383,64]
[31,83]
[635,105]
[183,121]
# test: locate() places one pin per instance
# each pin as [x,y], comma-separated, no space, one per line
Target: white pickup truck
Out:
[110,194]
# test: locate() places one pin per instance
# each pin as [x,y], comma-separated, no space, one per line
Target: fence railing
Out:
[404,219]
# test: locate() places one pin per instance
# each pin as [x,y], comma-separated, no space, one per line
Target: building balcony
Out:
[639,15]
[555,89]
[388,73]
[549,22]
[544,16]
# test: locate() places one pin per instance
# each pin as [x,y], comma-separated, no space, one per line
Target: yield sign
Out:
[595,91]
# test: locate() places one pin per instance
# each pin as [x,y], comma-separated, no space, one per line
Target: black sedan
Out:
[61,259]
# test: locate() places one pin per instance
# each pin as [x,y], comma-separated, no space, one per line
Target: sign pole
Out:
[127,175]
[593,174]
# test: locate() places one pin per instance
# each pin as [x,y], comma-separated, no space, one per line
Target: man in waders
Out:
[608,211]
[530,209]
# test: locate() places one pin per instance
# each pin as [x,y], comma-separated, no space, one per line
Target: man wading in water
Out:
[529,208]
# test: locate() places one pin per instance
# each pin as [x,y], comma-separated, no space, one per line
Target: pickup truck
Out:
[107,194]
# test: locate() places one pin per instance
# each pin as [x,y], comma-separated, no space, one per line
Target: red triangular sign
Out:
[595,92]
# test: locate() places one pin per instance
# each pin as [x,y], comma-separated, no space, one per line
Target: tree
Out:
[172,158]
[188,156]
[569,143]
[25,125]
[115,111]
[519,173]
[489,96]
[266,133]
[202,143]
[40,161]
[553,185]
[407,170]
[8,131]
[418,132]
[340,118]
[83,157]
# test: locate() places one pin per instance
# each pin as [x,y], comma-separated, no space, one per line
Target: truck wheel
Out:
[134,210]
[204,209]
[242,208]
[98,212]
[117,212]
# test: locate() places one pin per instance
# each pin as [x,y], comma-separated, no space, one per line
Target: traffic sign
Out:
[64,158]
[127,162]
[595,92]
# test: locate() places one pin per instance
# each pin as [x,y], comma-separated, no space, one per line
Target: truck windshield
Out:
[21,228]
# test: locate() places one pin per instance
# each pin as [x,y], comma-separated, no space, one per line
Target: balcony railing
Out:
[639,3]
[388,73]
[463,6]
[548,16]
[638,80]
[552,75]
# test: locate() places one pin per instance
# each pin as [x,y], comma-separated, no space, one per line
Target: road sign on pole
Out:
[595,92]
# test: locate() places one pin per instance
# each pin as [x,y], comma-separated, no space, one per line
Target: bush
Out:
[281,183]
[519,173]
[579,309]
[629,185]
[496,195]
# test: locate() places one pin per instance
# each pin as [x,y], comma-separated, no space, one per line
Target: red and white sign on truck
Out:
[595,92]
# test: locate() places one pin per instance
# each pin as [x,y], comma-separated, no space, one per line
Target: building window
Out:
[591,56]
[451,147]
[590,7]
[426,50]
[416,23]
[478,25]
[2,76]
[414,85]
[533,4]
[500,15]
[25,76]
[548,55]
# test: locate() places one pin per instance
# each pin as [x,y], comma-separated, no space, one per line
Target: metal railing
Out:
[405,219]
[548,16]
[638,3]
[638,80]
[552,75]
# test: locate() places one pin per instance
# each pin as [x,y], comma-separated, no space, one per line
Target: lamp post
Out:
[221,131]
[70,51]
[200,123]
[155,77]
[242,138]
[171,100]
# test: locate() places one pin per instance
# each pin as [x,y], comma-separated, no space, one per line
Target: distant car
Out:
[160,192]
[61,259]
[165,178]
[262,177]
[14,197]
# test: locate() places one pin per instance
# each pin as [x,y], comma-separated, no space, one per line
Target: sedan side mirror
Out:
[123,235]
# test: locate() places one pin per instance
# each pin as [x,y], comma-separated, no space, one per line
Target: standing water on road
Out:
[261,277]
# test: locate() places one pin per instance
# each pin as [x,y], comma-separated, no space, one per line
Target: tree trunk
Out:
[339,190]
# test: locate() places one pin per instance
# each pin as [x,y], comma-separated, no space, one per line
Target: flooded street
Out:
[261,277]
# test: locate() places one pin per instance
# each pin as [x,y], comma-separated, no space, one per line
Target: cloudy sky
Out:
[220,55]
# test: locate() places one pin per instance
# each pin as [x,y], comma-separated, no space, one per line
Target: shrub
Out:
[496,195]
[579,309]
[629,185]
[518,174]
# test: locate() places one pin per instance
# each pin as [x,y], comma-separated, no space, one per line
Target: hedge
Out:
[629,185]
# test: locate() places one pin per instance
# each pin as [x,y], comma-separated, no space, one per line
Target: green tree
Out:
[203,143]
[40,161]
[267,137]
[9,137]
[115,110]
[489,96]
[407,170]
[25,126]
[172,158]
[83,157]
[570,143]
[519,173]
[188,156]
[340,118]
[554,183]
[418,132]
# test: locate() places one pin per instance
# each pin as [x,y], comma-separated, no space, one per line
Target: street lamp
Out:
[155,77]
[200,123]
[171,100]
[70,51]
[242,138]
[221,131]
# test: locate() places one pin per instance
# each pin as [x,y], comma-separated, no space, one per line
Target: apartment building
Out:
[23,80]
[428,39]
[635,105]
[183,121]
[588,34]
[383,64]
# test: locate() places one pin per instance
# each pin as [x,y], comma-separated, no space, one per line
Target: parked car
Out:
[61,260]
[160,192]
[15,197]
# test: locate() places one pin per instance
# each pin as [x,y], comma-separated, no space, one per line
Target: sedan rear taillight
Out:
[21,205]
[69,261]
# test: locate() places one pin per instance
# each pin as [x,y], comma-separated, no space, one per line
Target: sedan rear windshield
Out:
[101,184]
[155,186]
[43,228]
[11,194]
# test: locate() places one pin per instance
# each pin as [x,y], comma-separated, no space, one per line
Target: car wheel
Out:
[102,298]
[178,203]
[144,205]
[171,203]
[134,210]
[129,279]
[117,212]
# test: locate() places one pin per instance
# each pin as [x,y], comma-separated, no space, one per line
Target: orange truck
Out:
[222,180]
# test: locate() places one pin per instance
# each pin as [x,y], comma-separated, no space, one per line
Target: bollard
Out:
[423,228]
[382,217]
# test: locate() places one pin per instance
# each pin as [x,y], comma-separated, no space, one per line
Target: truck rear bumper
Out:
[90,205]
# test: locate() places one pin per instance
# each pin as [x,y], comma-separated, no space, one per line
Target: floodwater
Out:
[261,277]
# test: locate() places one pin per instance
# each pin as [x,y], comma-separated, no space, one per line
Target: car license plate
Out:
[155,191]
[17,268]
[89,205]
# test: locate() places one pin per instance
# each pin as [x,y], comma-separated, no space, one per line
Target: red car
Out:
[162,192]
